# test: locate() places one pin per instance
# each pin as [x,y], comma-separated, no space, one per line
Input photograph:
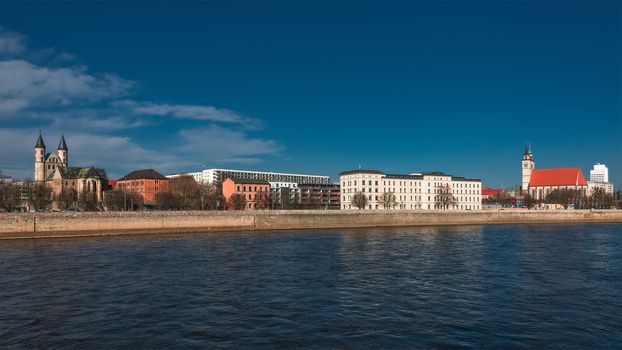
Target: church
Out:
[538,183]
[67,186]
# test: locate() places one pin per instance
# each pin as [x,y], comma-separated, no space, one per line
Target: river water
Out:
[503,287]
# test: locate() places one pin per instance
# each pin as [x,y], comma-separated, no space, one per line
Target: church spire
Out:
[527,150]
[40,143]
[62,146]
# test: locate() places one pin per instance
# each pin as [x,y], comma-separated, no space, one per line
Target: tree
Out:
[188,192]
[563,196]
[359,200]
[68,197]
[169,201]
[445,197]
[387,199]
[87,201]
[9,195]
[209,197]
[528,201]
[41,196]
[236,202]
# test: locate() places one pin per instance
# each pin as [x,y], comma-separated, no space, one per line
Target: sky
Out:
[314,87]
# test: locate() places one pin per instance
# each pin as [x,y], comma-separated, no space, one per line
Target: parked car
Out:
[72,210]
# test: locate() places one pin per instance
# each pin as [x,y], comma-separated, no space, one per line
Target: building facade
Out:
[538,183]
[320,196]
[147,183]
[417,191]
[600,173]
[67,186]
[254,192]
[218,176]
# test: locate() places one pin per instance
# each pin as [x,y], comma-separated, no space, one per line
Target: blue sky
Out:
[311,87]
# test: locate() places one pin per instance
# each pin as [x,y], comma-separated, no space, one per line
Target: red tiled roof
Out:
[557,177]
[487,191]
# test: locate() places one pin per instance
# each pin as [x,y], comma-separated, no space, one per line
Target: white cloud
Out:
[89,109]
[11,43]
[218,144]
[25,85]
[194,112]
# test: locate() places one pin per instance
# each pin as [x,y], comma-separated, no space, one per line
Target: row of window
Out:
[404,183]
[419,206]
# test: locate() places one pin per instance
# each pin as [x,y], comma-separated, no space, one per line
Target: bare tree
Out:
[359,200]
[209,197]
[388,200]
[169,201]
[41,196]
[563,196]
[9,195]
[444,197]
[236,202]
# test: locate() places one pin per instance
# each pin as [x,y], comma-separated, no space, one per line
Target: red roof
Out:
[487,191]
[557,177]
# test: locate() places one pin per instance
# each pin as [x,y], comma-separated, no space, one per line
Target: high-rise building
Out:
[600,173]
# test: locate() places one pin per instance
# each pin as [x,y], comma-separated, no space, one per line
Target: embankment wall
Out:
[38,225]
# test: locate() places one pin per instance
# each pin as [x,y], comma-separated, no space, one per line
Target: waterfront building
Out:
[420,191]
[320,196]
[538,183]
[593,185]
[65,185]
[218,176]
[147,183]
[599,178]
[254,192]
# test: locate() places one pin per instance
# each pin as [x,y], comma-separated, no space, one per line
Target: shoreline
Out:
[94,224]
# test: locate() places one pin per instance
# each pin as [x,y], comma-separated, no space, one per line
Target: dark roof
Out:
[40,143]
[239,180]
[143,174]
[62,146]
[437,173]
[462,178]
[407,177]
[79,173]
[361,171]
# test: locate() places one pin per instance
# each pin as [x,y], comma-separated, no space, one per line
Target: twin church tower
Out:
[45,164]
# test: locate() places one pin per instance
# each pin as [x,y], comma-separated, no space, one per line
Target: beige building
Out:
[67,186]
[417,191]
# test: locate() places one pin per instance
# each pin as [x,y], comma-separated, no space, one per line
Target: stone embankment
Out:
[40,225]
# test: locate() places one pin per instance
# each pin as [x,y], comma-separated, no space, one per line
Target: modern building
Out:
[320,196]
[420,191]
[255,193]
[600,173]
[67,185]
[599,178]
[147,183]
[538,183]
[218,176]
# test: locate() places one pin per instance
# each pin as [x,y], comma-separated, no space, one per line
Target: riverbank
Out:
[42,225]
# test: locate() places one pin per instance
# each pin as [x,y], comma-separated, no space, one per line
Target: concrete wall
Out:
[35,225]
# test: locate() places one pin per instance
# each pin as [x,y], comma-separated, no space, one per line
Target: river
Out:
[505,286]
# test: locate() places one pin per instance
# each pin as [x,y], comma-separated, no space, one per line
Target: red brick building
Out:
[255,192]
[146,183]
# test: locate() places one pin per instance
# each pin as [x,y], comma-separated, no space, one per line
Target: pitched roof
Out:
[79,173]
[62,146]
[238,180]
[143,174]
[40,143]
[557,177]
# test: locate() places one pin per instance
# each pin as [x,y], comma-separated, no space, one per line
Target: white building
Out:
[217,176]
[606,186]
[417,191]
[600,173]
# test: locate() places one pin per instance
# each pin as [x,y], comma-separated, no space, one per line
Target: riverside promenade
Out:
[43,225]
